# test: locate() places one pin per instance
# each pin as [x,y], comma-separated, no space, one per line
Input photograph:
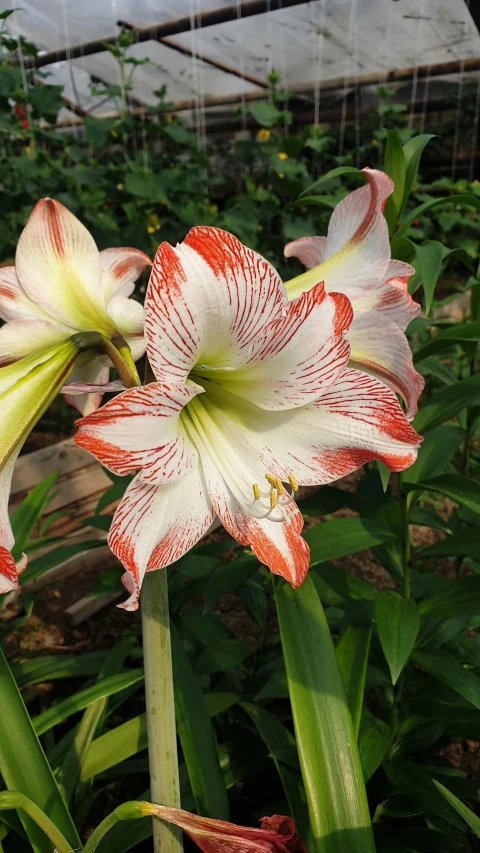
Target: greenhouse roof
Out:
[210,52]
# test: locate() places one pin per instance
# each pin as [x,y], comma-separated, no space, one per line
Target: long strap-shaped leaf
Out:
[24,767]
[325,738]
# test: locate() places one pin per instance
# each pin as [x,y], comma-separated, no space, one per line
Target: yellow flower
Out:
[282,156]
[281,174]
[475,183]
[151,229]
[374,142]
[119,186]
[155,225]
[213,208]
[263,135]
[169,118]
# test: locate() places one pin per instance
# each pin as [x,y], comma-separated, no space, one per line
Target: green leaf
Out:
[374,740]
[83,698]
[457,598]
[178,134]
[197,737]
[412,152]
[24,767]
[314,201]
[416,783]
[432,204]
[342,536]
[323,725]
[398,624]
[430,258]
[448,403]
[46,101]
[265,114]
[435,453]
[468,816]
[447,338]
[447,670]
[463,544]
[224,655]
[352,656]
[395,167]
[278,739]
[115,746]
[228,576]
[97,130]
[460,489]
[146,185]
[29,512]
[51,667]
[334,173]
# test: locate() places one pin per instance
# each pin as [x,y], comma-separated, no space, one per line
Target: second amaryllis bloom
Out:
[60,285]
[252,392]
[354,258]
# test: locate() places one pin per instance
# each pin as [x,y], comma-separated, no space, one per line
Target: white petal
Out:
[357,251]
[380,348]
[207,302]
[6,473]
[58,266]
[20,338]
[9,571]
[120,269]
[141,428]
[156,525]
[310,251]
[128,318]
[95,372]
[14,303]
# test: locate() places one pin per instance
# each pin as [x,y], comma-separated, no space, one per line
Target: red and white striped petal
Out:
[82,391]
[297,356]
[128,318]
[357,251]
[207,302]
[156,525]
[120,269]
[358,419]
[310,251]
[20,338]
[141,428]
[58,266]
[277,544]
[380,348]
[9,570]
[14,302]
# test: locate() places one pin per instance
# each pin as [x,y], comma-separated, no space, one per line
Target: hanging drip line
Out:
[353,5]
[269,45]
[418,36]
[241,43]
[473,148]
[73,128]
[23,73]
[143,128]
[426,93]
[195,82]
[319,37]
[456,132]
[201,77]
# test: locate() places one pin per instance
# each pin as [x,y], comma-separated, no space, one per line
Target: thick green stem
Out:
[162,737]
[15,800]
[406,546]
[119,354]
[127,811]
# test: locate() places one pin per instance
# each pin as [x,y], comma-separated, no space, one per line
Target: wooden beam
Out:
[170,28]
[336,86]
[227,69]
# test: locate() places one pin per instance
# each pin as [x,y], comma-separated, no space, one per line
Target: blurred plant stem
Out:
[160,704]
[406,545]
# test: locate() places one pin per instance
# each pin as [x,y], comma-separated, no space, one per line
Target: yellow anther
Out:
[293,482]
[272,480]
[273,498]
[279,486]
[256,491]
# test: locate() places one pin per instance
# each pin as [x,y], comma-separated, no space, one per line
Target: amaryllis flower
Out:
[276,833]
[27,388]
[251,391]
[354,258]
[9,570]
[61,284]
